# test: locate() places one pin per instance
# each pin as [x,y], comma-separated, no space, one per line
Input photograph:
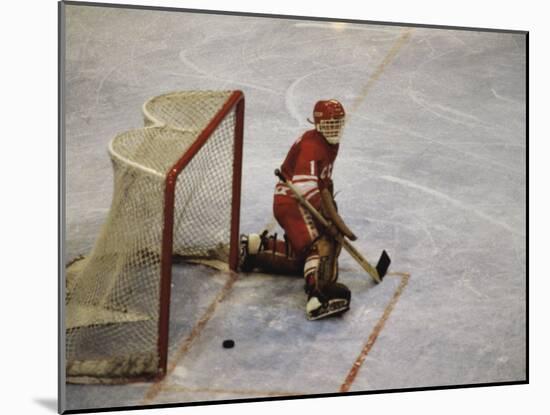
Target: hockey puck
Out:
[228,344]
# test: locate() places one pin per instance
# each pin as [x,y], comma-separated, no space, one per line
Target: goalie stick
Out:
[383,263]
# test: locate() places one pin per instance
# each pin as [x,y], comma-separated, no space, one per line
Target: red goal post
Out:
[236,102]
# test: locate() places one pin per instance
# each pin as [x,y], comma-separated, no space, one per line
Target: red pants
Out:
[297,222]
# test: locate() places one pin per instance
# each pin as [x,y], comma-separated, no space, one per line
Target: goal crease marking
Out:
[352,374]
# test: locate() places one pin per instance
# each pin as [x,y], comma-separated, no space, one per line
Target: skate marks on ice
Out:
[211,76]
[454,202]
[397,45]
[352,374]
[291,101]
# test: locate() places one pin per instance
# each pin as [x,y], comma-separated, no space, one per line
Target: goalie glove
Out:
[331,213]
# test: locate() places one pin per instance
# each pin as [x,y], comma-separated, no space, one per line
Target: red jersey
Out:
[308,165]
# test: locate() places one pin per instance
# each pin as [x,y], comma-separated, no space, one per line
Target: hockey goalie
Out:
[307,247]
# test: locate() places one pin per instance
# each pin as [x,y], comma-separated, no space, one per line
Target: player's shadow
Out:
[48,403]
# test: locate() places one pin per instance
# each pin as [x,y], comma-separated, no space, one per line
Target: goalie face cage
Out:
[176,192]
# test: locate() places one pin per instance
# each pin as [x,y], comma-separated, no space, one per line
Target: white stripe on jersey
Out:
[306,191]
[311,193]
[306,186]
[298,177]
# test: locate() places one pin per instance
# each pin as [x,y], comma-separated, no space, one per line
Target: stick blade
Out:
[383,264]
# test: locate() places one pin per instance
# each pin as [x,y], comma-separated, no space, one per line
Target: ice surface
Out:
[432,168]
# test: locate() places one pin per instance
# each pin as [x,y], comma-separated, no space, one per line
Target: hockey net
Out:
[176,192]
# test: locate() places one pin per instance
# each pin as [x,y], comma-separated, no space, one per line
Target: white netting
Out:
[113,295]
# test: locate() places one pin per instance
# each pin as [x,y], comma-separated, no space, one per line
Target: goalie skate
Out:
[333,301]
[265,253]
[317,310]
[250,246]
